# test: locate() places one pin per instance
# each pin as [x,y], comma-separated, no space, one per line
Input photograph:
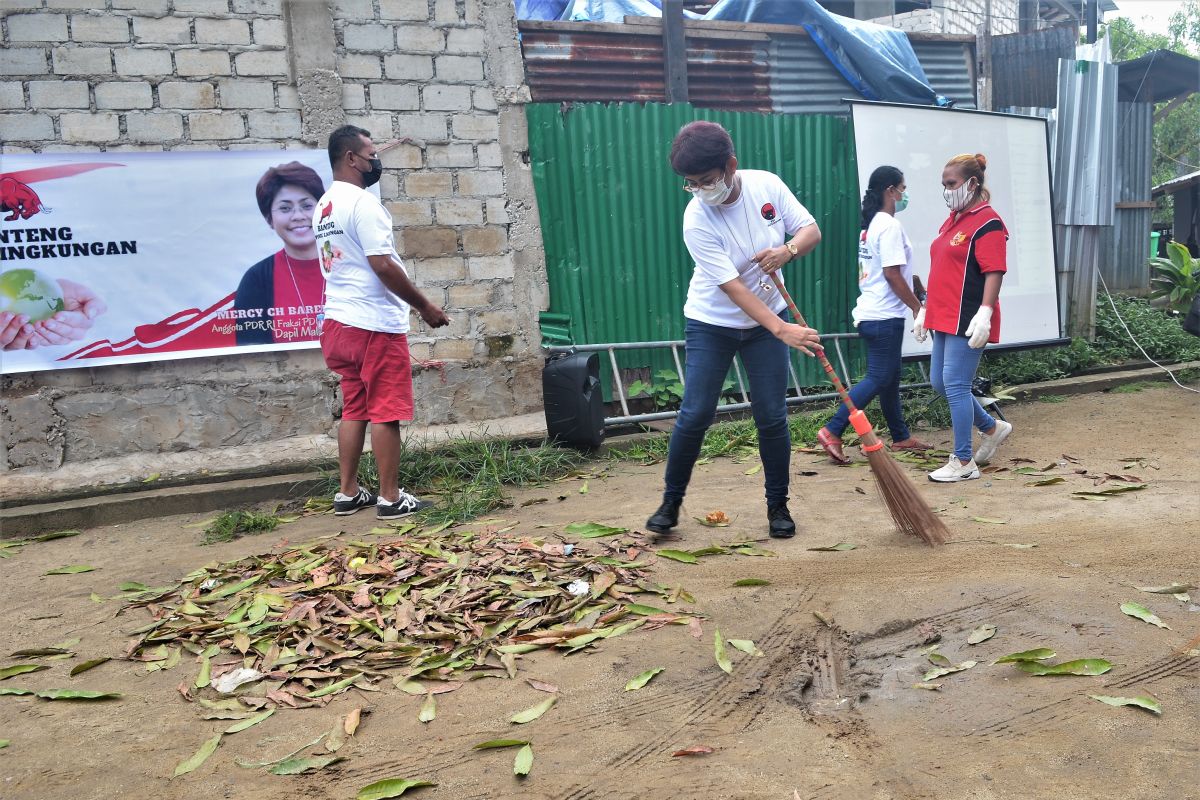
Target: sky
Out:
[1149,15]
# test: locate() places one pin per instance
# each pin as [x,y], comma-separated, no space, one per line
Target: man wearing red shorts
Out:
[363,333]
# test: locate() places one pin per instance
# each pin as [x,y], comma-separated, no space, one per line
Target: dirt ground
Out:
[828,712]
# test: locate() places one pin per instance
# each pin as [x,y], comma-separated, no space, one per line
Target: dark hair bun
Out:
[982,159]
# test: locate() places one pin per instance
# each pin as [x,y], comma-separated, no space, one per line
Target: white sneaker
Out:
[955,471]
[988,444]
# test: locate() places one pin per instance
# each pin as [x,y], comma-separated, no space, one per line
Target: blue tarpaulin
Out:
[876,60]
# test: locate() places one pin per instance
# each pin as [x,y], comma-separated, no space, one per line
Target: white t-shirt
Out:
[723,239]
[883,244]
[350,224]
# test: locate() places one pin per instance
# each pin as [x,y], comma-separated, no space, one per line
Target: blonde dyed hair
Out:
[972,166]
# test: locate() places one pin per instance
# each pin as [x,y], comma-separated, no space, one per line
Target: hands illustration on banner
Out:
[81,307]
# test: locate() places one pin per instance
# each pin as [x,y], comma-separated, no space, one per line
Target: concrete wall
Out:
[123,75]
[958,17]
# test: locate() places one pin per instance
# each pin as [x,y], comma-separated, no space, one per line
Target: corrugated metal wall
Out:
[1126,266]
[611,211]
[740,70]
[1025,66]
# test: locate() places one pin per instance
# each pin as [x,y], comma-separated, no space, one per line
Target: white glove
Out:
[918,328]
[980,328]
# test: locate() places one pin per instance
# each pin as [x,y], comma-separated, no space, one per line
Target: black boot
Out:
[782,526]
[666,517]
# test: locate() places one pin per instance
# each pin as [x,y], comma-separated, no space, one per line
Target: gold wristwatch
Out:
[792,248]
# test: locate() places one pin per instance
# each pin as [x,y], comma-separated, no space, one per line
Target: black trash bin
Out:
[1191,323]
[574,405]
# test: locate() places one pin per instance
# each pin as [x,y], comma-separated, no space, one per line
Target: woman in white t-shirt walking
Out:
[735,229]
[885,288]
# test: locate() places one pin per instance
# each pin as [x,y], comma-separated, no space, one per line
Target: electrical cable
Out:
[1170,374]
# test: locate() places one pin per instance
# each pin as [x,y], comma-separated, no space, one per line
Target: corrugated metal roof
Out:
[803,81]
[611,213]
[1126,267]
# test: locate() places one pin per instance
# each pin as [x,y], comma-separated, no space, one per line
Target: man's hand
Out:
[799,337]
[433,316]
[80,307]
[772,258]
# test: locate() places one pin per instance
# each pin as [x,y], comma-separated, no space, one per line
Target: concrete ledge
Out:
[1082,384]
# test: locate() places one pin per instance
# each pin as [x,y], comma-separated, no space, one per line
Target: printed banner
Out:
[119,258]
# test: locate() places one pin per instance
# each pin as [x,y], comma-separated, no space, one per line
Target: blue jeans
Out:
[884,338]
[951,370]
[710,351]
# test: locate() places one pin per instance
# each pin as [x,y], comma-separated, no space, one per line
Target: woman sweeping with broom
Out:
[885,289]
[735,229]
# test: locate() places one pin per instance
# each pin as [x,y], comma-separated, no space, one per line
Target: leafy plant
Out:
[236,524]
[1177,278]
[667,391]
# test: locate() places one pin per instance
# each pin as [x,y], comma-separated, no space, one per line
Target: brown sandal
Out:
[911,443]
[832,445]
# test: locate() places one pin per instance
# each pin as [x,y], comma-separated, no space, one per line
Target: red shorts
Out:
[375,369]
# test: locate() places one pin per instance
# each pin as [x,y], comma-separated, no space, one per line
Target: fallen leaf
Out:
[1082,666]
[71,694]
[719,652]
[524,760]
[937,673]
[694,750]
[823,619]
[389,787]
[981,634]
[1174,588]
[409,687]
[73,569]
[13,690]
[990,520]
[86,665]
[151,478]
[642,679]
[1018,545]
[1131,487]
[933,687]
[1139,611]
[20,669]
[937,658]
[1037,654]
[593,530]
[530,714]
[751,582]
[250,722]
[753,470]
[677,555]
[5,743]
[296,766]
[352,721]
[834,547]
[1148,703]
[428,711]
[201,755]
[583,489]
[542,686]
[746,646]
[332,688]
[1048,481]
[492,744]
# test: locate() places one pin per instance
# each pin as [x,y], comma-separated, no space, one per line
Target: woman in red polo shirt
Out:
[962,311]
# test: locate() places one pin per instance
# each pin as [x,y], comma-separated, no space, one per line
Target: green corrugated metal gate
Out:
[612,209]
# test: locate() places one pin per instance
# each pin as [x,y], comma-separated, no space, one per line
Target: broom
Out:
[904,502]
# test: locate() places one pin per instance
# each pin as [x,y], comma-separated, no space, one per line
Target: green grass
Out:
[467,477]
[236,524]
[1132,388]
[1052,398]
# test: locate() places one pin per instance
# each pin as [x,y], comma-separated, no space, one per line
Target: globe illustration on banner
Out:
[29,292]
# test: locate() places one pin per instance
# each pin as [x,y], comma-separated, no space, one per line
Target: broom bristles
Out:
[908,509]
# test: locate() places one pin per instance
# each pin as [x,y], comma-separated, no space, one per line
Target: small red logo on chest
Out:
[958,239]
[768,212]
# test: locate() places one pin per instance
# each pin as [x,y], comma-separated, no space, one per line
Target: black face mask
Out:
[372,176]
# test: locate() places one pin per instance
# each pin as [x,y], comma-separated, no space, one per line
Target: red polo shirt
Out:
[969,245]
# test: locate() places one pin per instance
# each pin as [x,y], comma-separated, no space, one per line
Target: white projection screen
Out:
[919,140]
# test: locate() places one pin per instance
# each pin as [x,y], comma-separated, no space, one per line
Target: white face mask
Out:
[716,195]
[957,199]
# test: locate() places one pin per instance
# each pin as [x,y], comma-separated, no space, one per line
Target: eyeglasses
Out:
[691,187]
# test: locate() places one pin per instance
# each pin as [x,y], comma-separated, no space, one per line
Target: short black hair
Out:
[345,139]
[699,147]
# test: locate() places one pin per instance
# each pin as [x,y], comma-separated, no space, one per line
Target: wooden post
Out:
[674,52]
[983,47]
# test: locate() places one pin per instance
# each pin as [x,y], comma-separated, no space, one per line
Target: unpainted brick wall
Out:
[137,75]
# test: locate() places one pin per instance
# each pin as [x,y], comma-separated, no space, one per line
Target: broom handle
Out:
[799,318]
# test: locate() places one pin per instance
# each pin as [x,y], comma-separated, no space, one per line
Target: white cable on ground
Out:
[1170,374]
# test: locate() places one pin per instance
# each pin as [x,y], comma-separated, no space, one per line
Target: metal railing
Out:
[831,341]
